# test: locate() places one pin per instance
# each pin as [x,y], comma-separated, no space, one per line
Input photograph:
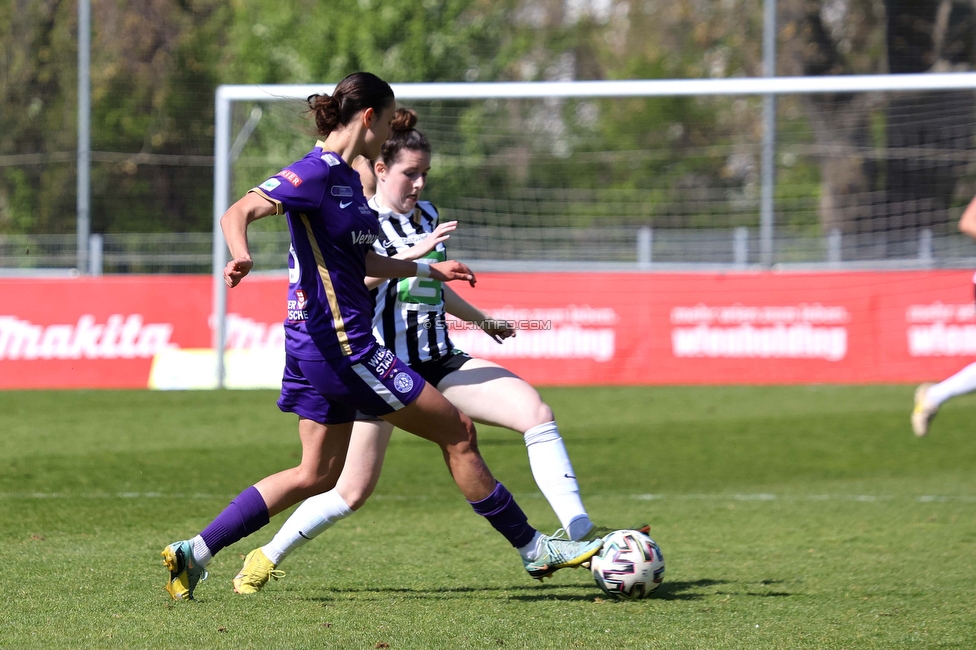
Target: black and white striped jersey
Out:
[408,316]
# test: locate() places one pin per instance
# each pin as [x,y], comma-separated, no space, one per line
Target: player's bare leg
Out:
[494,395]
[432,417]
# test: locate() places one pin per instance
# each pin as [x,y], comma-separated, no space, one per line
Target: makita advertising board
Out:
[573,329]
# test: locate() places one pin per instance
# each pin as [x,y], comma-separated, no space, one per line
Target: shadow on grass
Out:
[528,593]
[519,592]
[684,590]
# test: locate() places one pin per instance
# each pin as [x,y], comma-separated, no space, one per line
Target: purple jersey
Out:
[330,310]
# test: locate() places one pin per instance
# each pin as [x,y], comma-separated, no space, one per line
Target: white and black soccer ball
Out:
[629,565]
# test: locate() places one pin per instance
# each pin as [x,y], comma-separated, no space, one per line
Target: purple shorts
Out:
[330,391]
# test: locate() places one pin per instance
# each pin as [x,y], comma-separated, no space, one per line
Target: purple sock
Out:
[501,511]
[245,514]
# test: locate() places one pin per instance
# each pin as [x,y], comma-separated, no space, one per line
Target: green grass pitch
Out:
[789,517]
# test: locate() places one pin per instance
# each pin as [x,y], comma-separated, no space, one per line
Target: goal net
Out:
[670,178]
[865,171]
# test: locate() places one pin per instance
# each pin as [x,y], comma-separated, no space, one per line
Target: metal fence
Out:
[526,249]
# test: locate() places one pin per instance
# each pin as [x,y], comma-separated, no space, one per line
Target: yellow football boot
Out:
[257,570]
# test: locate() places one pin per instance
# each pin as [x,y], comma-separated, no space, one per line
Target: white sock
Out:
[555,477]
[533,550]
[960,383]
[579,527]
[311,518]
[200,551]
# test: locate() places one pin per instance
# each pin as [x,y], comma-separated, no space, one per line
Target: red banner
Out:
[573,329]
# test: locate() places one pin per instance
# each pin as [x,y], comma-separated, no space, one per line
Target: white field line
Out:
[760,497]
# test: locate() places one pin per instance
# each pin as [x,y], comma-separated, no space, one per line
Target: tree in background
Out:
[934,129]
[156,64]
[842,38]
[914,184]
[37,134]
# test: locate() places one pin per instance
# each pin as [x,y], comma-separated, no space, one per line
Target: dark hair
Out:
[403,136]
[357,92]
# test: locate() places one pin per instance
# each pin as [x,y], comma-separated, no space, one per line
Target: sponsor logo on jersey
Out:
[291,177]
[344,204]
[302,301]
[270,184]
[331,159]
[381,361]
[403,382]
[359,237]
[341,190]
[296,309]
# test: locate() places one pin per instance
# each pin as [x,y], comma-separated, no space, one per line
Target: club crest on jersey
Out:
[403,382]
[341,190]
[360,237]
[291,177]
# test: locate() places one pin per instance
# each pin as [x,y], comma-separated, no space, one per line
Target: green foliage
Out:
[790,517]
[297,41]
[36,48]
[156,64]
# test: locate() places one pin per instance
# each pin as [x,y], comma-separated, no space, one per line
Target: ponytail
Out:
[355,93]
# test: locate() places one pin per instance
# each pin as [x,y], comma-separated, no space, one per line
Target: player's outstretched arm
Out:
[967,223]
[234,226]
[378,266]
[455,305]
[441,233]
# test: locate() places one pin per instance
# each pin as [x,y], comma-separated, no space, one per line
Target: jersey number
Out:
[422,291]
[294,272]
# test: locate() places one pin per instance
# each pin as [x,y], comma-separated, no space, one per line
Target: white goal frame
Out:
[226,95]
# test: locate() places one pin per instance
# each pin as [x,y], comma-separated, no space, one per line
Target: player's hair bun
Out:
[403,120]
[357,92]
[403,135]
[326,110]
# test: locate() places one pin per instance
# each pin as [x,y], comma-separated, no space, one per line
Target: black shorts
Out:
[432,371]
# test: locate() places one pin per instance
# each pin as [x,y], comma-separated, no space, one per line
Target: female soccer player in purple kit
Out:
[409,319]
[334,366]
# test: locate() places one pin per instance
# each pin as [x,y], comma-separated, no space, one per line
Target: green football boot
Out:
[560,554]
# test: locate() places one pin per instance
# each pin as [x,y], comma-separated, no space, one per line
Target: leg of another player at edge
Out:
[960,383]
[432,417]
[364,463]
[323,453]
[491,394]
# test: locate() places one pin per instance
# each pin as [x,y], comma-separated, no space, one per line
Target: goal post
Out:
[228,95]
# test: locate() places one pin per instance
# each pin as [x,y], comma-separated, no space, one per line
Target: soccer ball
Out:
[629,565]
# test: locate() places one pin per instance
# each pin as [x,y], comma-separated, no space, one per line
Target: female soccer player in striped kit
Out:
[929,397]
[334,366]
[409,319]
